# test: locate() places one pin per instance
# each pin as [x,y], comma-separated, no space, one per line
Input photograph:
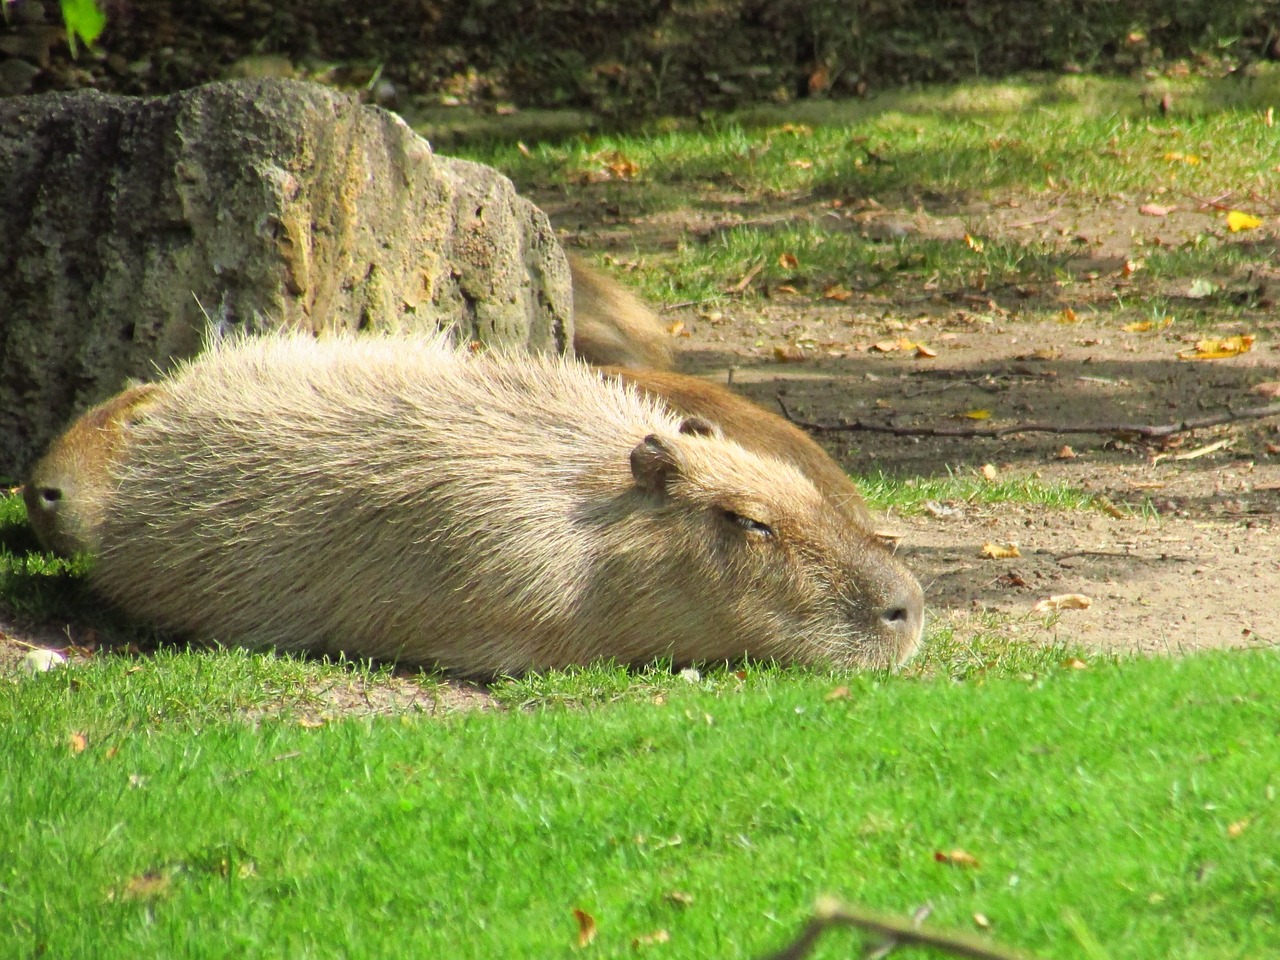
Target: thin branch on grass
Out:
[1122,430]
[891,933]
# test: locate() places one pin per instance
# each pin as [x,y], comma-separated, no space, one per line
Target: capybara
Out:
[753,427]
[397,498]
[610,324]
[69,487]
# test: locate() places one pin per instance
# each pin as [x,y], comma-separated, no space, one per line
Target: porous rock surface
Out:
[131,226]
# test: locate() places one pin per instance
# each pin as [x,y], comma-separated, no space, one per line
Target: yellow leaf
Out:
[1075,663]
[836,292]
[957,858]
[977,414]
[1176,156]
[974,244]
[1237,828]
[1000,551]
[586,927]
[649,939]
[1063,601]
[1219,349]
[78,742]
[677,329]
[925,353]
[1237,221]
[989,472]
[1068,316]
[788,261]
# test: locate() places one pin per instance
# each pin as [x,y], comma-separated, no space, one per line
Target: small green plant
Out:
[84,20]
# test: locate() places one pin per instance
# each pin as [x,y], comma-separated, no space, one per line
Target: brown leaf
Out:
[78,742]
[788,261]
[789,353]
[1270,389]
[925,353]
[1068,316]
[957,858]
[989,472]
[1219,348]
[586,927]
[677,329]
[1065,453]
[145,886]
[839,693]
[836,292]
[785,288]
[1075,663]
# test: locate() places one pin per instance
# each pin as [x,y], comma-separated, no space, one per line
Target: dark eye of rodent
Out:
[746,523]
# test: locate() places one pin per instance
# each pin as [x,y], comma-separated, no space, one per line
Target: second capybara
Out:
[753,427]
[400,499]
[68,488]
[611,326]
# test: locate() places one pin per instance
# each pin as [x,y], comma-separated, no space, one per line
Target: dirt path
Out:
[1193,559]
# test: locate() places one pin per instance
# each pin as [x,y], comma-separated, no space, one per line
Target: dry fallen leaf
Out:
[1270,389]
[981,922]
[1063,601]
[839,693]
[1237,221]
[145,886]
[1000,551]
[1219,348]
[1130,268]
[78,742]
[1155,210]
[1238,828]
[977,414]
[889,346]
[1075,663]
[925,353]
[836,292]
[789,353]
[989,472]
[649,939]
[586,927]
[973,244]
[1065,453]
[788,261]
[1068,316]
[957,858]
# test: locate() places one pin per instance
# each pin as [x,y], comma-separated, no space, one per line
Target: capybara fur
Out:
[71,484]
[400,499]
[611,326]
[753,427]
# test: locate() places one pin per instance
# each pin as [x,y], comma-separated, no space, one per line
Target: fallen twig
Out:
[892,933]
[1114,429]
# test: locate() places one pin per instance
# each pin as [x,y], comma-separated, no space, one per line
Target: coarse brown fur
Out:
[752,426]
[400,499]
[70,485]
[611,326]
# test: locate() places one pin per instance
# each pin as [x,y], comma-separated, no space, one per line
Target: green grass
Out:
[777,183]
[1131,804]
[910,495]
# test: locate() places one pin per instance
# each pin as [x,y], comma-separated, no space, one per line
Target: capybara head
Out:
[776,570]
[396,498]
[67,488]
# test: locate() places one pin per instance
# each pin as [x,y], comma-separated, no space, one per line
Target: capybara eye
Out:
[50,494]
[747,523]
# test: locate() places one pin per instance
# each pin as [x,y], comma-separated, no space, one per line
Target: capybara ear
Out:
[654,464]
[699,427]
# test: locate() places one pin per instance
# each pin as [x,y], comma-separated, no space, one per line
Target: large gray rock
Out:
[128,226]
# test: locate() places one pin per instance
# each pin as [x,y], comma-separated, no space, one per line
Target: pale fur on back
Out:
[399,498]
